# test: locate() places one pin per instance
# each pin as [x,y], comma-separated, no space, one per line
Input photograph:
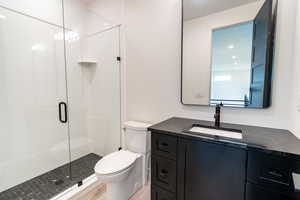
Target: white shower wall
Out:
[94,95]
[47,10]
[94,90]
[31,85]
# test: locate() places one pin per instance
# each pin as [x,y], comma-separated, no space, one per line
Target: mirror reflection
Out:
[227,52]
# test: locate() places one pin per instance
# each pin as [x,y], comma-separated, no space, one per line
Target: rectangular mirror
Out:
[227,52]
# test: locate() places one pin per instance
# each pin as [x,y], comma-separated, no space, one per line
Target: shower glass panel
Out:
[56,52]
[32,83]
[93,74]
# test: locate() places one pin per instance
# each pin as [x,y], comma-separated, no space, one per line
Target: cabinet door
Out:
[258,193]
[164,173]
[211,171]
[160,194]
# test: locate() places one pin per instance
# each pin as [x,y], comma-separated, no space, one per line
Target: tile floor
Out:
[54,182]
[43,187]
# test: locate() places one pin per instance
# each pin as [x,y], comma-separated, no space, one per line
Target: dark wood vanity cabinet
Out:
[255,192]
[269,177]
[163,167]
[210,171]
[164,173]
[269,171]
[160,194]
[193,169]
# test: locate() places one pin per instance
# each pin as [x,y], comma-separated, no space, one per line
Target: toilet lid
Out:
[116,162]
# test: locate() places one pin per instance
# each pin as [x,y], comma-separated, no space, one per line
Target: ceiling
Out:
[200,8]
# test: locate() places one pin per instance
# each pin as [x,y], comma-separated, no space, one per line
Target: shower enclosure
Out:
[59,94]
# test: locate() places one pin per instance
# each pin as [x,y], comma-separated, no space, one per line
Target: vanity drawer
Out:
[271,171]
[164,145]
[254,192]
[160,194]
[164,173]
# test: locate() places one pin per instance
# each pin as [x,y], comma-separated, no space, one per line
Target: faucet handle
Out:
[219,105]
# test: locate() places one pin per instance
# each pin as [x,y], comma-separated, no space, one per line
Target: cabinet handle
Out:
[163,144]
[274,181]
[163,174]
[275,173]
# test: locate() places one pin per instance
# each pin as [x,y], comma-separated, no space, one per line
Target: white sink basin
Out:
[216,132]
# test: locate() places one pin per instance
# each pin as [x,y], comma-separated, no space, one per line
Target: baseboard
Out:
[88,190]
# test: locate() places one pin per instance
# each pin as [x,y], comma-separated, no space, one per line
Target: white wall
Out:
[153,35]
[197,53]
[295,106]
[111,11]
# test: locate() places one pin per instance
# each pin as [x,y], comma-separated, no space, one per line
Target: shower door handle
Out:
[62,107]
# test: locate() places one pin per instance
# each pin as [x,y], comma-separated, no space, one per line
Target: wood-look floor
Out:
[98,193]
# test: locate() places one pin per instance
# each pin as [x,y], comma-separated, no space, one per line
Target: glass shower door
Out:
[46,64]
[32,83]
[94,96]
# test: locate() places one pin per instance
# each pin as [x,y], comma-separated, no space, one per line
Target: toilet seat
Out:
[116,162]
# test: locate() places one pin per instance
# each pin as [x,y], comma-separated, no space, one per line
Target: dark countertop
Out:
[276,141]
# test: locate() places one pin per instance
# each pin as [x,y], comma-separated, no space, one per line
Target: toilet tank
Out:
[137,138]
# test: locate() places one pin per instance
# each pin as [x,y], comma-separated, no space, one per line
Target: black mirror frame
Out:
[267,100]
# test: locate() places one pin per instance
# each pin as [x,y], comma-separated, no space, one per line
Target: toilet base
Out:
[115,191]
[127,187]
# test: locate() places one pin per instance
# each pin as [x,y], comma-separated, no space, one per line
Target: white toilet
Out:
[125,172]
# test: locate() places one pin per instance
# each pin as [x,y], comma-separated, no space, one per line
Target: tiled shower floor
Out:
[54,182]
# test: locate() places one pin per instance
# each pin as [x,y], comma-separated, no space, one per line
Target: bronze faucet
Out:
[218,115]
